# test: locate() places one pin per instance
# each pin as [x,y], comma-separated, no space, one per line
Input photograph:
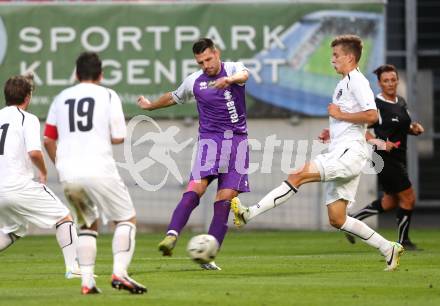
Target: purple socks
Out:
[219,223]
[189,201]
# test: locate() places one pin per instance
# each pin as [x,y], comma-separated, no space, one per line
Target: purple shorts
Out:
[225,157]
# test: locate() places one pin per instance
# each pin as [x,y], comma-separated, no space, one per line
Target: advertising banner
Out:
[146,48]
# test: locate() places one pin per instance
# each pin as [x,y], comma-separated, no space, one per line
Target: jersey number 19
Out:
[84,110]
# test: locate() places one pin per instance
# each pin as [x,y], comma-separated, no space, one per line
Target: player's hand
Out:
[222,83]
[416,128]
[144,103]
[334,111]
[389,145]
[324,137]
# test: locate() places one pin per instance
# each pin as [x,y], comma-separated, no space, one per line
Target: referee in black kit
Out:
[391,139]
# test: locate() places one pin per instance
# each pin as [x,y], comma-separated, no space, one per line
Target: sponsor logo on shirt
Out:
[395,119]
[230,104]
[203,85]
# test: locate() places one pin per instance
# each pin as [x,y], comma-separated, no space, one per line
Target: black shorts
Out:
[394,176]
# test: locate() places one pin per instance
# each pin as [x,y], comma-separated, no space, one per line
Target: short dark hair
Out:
[202,44]
[350,43]
[17,88]
[88,66]
[385,68]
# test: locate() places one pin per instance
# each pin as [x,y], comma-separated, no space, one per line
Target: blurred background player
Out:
[351,110]
[218,88]
[85,120]
[391,138]
[22,200]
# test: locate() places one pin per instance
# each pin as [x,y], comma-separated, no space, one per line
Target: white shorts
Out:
[106,196]
[341,169]
[35,204]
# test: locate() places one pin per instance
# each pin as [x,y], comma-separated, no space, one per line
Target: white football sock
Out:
[68,241]
[87,256]
[6,240]
[274,198]
[123,247]
[363,231]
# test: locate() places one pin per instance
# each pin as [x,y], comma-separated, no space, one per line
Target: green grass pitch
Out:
[259,268]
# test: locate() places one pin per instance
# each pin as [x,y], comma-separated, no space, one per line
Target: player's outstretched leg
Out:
[371,209]
[274,198]
[190,200]
[241,212]
[123,248]
[392,251]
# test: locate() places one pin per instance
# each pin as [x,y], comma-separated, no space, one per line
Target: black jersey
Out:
[393,125]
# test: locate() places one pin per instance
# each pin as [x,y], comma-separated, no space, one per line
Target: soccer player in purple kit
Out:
[219,91]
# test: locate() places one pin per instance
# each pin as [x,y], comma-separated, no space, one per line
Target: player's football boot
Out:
[86,290]
[127,283]
[210,266]
[350,238]
[167,245]
[241,212]
[393,257]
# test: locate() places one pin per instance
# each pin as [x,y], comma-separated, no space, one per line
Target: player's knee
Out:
[336,222]
[295,178]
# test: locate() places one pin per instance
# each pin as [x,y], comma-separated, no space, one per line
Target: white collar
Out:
[380,96]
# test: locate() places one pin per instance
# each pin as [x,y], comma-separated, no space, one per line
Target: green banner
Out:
[146,48]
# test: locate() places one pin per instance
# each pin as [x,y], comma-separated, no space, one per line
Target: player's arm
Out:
[238,78]
[51,148]
[380,144]
[369,116]
[51,133]
[38,160]
[165,100]
[31,131]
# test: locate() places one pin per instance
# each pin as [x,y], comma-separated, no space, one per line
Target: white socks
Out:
[274,198]
[363,231]
[68,240]
[123,247]
[6,240]
[87,256]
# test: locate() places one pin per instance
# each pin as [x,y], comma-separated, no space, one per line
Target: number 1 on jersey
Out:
[4,129]
[84,109]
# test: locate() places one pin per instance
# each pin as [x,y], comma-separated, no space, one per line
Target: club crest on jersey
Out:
[203,85]
[339,94]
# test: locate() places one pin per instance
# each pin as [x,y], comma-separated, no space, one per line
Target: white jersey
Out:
[84,118]
[19,134]
[352,94]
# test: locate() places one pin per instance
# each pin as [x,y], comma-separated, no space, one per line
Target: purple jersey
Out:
[219,109]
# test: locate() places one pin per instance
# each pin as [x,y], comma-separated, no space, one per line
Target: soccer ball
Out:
[202,248]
